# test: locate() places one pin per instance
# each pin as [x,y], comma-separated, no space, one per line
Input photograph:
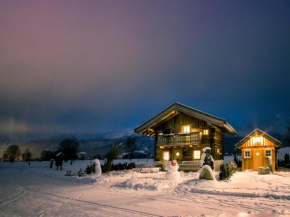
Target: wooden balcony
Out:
[179,139]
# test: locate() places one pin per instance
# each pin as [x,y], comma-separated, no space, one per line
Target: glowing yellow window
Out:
[205,132]
[166,155]
[217,150]
[257,140]
[196,154]
[186,129]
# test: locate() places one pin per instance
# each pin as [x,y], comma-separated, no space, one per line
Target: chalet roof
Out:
[258,132]
[146,128]
[59,153]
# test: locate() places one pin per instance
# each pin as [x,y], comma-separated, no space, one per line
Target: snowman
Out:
[98,167]
[172,170]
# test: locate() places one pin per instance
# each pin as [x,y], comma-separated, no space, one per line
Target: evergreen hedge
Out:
[227,170]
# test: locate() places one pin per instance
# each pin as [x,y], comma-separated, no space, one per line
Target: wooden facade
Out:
[182,132]
[258,149]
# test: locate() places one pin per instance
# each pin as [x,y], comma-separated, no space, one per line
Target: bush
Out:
[227,170]
[119,166]
[91,169]
[88,170]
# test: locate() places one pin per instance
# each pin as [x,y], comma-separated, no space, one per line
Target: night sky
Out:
[104,66]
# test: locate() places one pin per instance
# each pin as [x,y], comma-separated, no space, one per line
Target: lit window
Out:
[186,129]
[268,153]
[217,150]
[166,155]
[247,154]
[205,132]
[257,140]
[196,155]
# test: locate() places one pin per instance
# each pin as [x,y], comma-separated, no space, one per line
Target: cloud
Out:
[11,126]
[103,66]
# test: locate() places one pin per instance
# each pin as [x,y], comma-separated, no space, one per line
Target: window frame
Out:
[185,127]
[266,152]
[205,132]
[247,150]
[166,152]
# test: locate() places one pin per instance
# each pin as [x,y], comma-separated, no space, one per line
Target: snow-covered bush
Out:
[227,170]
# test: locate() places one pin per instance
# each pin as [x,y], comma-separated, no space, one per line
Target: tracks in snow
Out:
[93,205]
[22,193]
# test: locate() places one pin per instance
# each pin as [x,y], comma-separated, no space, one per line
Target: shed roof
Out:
[258,132]
[146,128]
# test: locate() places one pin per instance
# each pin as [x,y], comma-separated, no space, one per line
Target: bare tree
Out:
[69,148]
[13,152]
[26,155]
[5,156]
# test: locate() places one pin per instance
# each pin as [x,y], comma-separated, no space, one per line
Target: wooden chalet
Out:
[256,149]
[182,132]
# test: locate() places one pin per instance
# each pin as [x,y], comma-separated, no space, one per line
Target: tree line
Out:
[69,147]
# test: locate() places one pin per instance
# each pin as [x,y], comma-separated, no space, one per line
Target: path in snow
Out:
[38,191]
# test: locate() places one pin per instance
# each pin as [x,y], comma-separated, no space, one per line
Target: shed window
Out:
[247,154]
[196,154]
[268,153]
[205,132]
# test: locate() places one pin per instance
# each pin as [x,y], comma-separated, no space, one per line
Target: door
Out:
[257,158]
[177,155]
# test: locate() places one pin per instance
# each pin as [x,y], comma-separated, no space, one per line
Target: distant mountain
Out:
[101,144]
[92,144]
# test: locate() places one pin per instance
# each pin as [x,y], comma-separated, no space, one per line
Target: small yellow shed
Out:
[259,149]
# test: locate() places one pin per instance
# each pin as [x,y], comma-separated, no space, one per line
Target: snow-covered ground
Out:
[36,190]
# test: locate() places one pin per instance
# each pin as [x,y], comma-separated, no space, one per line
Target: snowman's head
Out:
[172,166]
[174,163]
[97,162]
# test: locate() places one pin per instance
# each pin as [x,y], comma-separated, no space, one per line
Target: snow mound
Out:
[151,183]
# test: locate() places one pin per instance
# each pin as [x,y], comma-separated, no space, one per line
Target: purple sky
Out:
[102,66]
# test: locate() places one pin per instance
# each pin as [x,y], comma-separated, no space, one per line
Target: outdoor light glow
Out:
[196,154]
[166,155]
[186,129]
[257,139]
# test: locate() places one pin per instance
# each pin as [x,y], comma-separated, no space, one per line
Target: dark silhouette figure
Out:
[58,160]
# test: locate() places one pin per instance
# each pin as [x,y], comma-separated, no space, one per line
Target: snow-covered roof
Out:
[146,128]
[58,154]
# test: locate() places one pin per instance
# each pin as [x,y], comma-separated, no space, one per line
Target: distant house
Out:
[182,132]
[256,149]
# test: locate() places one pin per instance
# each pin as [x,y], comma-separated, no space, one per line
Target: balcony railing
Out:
[179,139]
